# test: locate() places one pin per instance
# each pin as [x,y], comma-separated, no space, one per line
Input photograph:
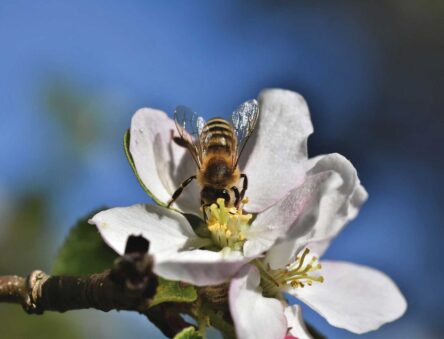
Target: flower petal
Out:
[354,297]
[255,316]
[201,267]
[172,244]
[296,323]
[336,203]
[319,244]
[168,231]
[273,155]
[343,204]
[160,163]
[275,221]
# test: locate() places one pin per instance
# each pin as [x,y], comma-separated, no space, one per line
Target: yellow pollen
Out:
[228,225]
[299,273]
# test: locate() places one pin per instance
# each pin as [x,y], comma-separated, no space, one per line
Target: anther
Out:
[227,225]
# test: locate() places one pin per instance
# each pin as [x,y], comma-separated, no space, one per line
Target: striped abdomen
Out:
[218,136]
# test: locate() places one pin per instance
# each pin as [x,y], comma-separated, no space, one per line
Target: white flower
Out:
[350,296]
[297,203]
[291,195]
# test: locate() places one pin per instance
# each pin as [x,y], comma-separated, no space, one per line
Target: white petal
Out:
[296,323]
[354,297]
[341,205]
[167,231]
[318,243]
[255,316]
[337,202]
[160,163]
[201,267]
[300,203]
[172,244]
[278,146]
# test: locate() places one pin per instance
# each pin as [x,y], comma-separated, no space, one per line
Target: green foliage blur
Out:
[26,231]
[83,252]
[29,238]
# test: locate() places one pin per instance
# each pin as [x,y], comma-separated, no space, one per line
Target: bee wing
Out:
[190,125]
[244,120]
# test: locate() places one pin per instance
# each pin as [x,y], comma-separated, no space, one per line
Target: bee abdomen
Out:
[218,135]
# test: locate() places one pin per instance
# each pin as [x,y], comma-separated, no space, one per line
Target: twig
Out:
[127,286]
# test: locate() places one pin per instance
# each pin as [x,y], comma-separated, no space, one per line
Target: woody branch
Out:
[128,285]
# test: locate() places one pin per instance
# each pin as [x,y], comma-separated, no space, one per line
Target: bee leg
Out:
[244,186]
[236,196]
[204,206]
[180,189]
[179,140]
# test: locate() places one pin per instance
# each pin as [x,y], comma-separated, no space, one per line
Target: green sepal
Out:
[126,145]
[188,333]
[173,291]
[83,252]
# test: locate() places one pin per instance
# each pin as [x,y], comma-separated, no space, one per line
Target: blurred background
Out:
[73,73]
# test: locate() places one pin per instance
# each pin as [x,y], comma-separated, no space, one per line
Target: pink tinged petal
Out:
[255,316]
[321,244]
[357,298]
[167,231]
[201,267]
[344,203]
[337,202]
[160,163]
[276,149]
[296,323]
[294,210]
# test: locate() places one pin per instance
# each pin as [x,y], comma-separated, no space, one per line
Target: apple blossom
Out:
[350,296]
[295,202]
[287,192]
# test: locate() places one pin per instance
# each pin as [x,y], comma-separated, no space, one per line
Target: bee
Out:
[216,147]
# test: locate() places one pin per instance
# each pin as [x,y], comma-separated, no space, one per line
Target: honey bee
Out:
[216,147]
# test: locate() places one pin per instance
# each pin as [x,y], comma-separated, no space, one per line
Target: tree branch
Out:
[127,286]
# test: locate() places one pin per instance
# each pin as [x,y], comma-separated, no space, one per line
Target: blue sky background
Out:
[73,73]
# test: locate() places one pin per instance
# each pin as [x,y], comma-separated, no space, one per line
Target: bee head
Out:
[211,194]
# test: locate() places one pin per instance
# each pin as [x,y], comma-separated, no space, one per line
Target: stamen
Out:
[299,273]
[228,225]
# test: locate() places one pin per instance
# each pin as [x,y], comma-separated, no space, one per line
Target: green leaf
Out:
[84,252]
[173,291]
[188,333]
[126,145]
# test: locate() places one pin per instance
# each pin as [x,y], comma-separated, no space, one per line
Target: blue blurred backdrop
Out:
[73,73]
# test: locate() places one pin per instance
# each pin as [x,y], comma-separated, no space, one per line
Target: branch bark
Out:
[127,286]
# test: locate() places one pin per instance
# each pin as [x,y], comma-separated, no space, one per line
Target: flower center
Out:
[303,271]
[228,225]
